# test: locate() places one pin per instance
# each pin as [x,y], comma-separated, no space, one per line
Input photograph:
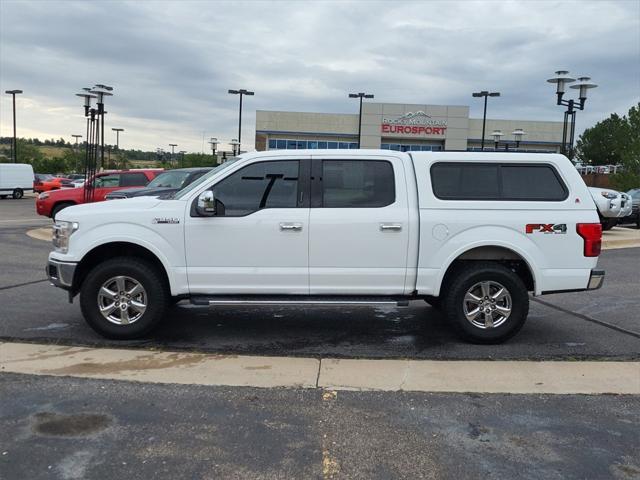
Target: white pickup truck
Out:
[470,233]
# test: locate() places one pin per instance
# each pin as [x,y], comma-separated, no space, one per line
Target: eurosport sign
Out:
[418,123]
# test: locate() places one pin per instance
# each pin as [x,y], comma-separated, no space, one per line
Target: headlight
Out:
[62,231]
[43,196]
[609,195]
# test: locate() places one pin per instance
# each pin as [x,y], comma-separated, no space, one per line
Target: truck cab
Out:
[471,233]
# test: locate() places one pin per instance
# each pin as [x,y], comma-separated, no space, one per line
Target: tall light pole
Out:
[214,143]
[76,137]
[234,143]
[14,151]
[118,130]
[518,133]
[485,94]
[101,91]
[561,80]
[173,152]
[181,153]
[240,92]
[496,138]
[360,95]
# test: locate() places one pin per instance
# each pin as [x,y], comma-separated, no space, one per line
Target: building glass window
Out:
[322,144]
[312,145]
[281,144]
[332,145]
[291,144]
[272,144]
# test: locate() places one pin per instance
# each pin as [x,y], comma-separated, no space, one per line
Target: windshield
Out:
[635,193]
[189,188]
[171,179]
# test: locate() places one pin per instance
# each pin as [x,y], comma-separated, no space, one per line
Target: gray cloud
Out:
[171,63]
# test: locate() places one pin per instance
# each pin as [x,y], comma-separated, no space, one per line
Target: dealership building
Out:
[403,127]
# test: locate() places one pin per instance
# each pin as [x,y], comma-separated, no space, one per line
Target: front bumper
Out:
[596,279]
[61,273]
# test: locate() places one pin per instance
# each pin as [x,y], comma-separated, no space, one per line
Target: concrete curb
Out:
[619,237]
[519,377]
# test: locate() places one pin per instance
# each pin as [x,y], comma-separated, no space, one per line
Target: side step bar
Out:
[297,300]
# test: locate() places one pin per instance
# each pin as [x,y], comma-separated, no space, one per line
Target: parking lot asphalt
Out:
[604,324]
[57,427]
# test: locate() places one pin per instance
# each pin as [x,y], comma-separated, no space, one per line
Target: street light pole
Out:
[360,95]
[76,137]
[240,92]
[214,144]
[14,151]
[117,130]
[561,79]
[173,152]
[485,94]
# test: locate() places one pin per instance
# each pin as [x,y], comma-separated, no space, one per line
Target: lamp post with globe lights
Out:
[214,144]
[562,79]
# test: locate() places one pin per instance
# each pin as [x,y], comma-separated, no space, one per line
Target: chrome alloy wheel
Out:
[487,305]
[122,300]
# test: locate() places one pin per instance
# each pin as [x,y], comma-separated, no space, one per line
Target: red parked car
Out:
[50,203]
[45,182]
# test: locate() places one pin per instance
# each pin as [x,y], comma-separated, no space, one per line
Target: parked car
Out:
[166,183]
[51,203]
[471,233]
[15,179]
[45,183]
[609,205]
[634,215]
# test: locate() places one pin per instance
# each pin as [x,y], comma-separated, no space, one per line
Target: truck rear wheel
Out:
[18,193]
[123,298]
[486,302]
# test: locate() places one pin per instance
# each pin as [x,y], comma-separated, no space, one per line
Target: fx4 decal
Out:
[546,228]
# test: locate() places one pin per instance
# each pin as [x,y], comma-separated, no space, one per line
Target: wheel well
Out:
[111,250]
[501,255]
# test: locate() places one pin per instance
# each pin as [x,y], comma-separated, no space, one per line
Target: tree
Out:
[614,141]
[603,143]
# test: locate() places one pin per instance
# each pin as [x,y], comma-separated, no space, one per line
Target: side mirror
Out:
[206,206]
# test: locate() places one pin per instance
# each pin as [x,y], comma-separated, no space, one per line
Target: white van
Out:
[15,179]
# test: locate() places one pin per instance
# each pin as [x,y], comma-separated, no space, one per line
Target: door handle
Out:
[390,226]
[291,226]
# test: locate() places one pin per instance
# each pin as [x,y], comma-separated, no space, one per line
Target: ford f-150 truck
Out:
[470,233]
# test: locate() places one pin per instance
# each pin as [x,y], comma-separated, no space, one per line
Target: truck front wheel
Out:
[123,298]
[486,302]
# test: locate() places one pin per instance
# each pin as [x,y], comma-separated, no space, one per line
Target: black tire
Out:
[58,208]
[145,273]
[18,193]
[435,302]
[3,196]
[609,223]
[472,274]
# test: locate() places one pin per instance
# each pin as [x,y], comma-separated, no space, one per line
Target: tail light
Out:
[592,235]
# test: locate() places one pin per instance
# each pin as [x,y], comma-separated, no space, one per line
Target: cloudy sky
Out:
[172,62]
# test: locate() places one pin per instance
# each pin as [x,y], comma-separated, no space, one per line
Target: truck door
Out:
[258,242]
[359,226]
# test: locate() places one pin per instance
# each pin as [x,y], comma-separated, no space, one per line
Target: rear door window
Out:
[357,184]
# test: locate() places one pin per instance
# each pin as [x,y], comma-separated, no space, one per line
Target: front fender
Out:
[168,247]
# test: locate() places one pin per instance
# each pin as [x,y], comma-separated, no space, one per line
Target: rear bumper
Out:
[61,273]
[596,279]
